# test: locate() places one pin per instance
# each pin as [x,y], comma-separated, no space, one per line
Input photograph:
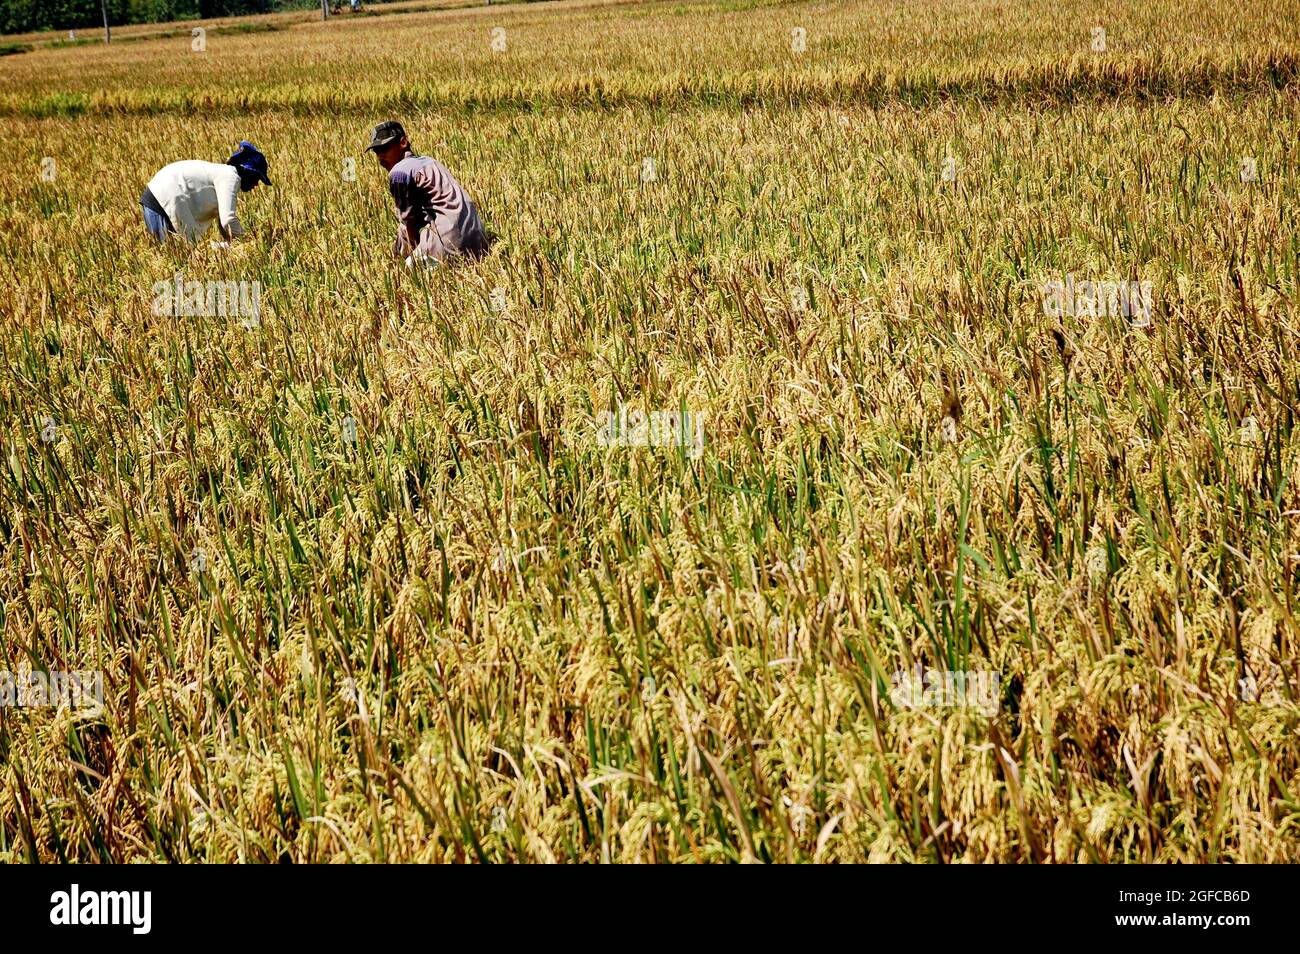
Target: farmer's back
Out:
[430,201]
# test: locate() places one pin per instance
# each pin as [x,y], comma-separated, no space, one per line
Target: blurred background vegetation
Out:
[23,16]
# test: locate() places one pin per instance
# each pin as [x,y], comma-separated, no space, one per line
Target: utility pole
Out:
[103,8]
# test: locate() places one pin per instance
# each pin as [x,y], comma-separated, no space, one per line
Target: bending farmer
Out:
[187,197]
[435,216]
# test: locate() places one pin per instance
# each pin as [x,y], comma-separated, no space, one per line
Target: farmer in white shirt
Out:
[187,197]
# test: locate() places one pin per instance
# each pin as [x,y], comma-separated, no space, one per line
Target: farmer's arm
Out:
[227,197]
[404,196]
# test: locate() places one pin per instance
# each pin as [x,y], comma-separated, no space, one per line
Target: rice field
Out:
[368,579]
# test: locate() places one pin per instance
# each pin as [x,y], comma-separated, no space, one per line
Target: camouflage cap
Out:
[385,134]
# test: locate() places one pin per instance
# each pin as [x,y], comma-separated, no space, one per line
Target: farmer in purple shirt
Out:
[436,218]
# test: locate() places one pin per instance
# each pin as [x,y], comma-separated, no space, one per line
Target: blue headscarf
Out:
[249,158]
